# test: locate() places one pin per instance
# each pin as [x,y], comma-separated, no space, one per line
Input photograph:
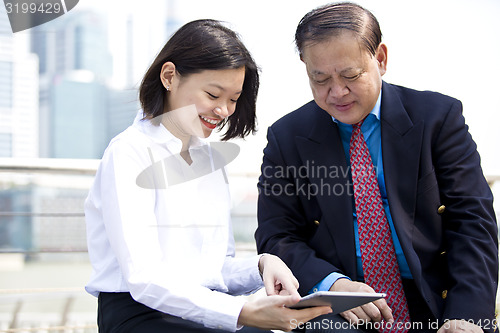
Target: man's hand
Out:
[277,277]
[459,326]
[374,311]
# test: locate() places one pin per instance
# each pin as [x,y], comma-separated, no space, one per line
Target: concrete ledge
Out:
[11,262]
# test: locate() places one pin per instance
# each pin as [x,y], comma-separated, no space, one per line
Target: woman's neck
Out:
[173,127]
[185,139]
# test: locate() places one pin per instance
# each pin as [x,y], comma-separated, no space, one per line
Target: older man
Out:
[377,187]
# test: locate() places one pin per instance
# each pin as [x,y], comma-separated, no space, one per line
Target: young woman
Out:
[158,213]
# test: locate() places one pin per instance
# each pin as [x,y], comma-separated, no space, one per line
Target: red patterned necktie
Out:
[380,266]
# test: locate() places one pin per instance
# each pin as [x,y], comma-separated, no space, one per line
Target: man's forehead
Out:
[327,64]
[325,58]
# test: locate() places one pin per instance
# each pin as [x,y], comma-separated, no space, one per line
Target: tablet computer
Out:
[339,301]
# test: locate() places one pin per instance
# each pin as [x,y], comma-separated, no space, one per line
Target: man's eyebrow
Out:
[317,72]
[350,69]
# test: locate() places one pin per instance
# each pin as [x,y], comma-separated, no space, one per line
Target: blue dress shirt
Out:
[371,132]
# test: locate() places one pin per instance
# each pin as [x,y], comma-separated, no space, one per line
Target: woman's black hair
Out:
[205,45]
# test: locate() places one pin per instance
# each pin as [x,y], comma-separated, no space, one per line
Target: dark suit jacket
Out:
[430,160]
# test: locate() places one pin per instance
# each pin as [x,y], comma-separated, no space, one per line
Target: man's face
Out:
[345,78]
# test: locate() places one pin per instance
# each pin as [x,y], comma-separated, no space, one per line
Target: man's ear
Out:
[381,56]
[167,74]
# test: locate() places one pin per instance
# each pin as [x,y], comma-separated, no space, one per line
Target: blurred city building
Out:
[59,98]
[86,93]
[18,96]
[77,105]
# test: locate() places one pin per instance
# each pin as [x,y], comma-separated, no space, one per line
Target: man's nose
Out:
[338,89]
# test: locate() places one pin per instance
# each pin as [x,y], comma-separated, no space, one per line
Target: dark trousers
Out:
[422,319]
[120,313]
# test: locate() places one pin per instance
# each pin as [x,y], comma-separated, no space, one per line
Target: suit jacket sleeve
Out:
[286,223]
[469,224]
[430,160]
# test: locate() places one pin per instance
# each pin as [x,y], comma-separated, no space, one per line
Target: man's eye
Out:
[320,81]
[352,77]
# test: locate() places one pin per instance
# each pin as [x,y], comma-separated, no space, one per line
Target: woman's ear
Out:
[167,73]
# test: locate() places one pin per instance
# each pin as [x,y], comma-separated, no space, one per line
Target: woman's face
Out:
[196,103]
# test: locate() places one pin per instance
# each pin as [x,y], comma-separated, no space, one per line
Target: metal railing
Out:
[29,175]
[43,183]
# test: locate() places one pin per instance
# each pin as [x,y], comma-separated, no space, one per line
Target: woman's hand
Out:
[277,277]
[272,313]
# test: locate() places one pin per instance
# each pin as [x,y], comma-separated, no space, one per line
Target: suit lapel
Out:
[401,145]
[323,147]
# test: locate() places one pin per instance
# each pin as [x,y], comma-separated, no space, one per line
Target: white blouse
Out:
[170,246]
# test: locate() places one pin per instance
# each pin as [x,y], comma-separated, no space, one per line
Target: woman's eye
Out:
[212,95]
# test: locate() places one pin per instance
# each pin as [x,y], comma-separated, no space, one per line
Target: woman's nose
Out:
[221,111]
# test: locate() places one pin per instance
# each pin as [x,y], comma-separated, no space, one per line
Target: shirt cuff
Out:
[327,283]
[226,316]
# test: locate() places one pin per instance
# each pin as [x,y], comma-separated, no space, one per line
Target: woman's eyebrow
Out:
[216,85]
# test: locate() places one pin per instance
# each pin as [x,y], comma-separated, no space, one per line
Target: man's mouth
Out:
[343,107]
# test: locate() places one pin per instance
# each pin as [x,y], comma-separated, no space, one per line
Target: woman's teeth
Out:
[211,121]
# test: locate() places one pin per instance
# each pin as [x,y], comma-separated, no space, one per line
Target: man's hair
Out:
[329,20]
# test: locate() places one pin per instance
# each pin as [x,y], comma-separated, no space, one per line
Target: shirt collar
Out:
[375,111]
[161,135]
